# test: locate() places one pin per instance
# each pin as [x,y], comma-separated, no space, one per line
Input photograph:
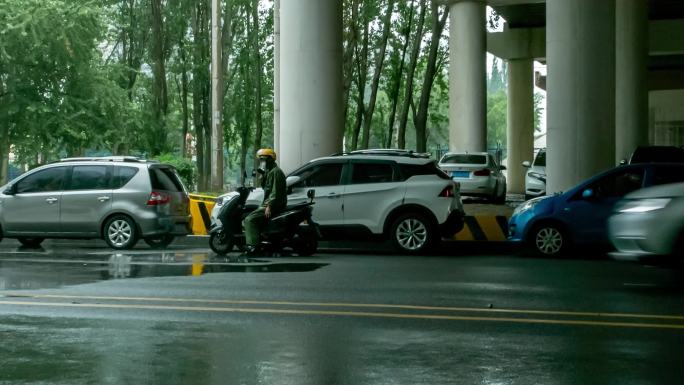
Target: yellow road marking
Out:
[357,305]
[490,227]
[464,235]
[348,314]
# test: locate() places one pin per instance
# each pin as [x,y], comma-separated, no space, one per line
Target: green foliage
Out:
[185,167]
[496,119]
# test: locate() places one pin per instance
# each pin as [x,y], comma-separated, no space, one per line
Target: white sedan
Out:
[478,173]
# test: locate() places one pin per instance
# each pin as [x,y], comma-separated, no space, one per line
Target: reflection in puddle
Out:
[123,266]
[41,273]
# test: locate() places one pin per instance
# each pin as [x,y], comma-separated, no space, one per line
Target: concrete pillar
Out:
[276,76]
[580,48]
[467,77]
[311,105]
[520,122]
[631,96]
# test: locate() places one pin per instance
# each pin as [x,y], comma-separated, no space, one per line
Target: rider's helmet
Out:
[266,152]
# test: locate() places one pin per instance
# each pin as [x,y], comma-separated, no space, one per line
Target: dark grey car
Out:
[119,199]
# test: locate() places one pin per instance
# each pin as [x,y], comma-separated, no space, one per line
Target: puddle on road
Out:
[52,272]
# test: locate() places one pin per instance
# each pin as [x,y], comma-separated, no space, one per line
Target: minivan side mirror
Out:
[527,164]
[588,194]
[502,168]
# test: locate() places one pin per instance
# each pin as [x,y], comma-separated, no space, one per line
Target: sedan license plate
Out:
[460,174]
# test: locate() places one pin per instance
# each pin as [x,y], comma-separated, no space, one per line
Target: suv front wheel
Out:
[412,233]
[32,243]
[120,232]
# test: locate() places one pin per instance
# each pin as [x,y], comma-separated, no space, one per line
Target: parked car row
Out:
[639,207]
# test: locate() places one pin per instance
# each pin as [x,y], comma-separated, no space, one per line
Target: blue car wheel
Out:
[549,240]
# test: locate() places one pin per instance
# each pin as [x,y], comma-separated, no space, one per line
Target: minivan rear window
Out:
[122,175]
[165,179]
[465,159]
[89,177]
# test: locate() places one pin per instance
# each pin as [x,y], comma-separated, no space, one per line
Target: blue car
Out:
[550,224]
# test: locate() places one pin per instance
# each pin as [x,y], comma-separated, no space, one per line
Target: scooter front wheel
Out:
[221,243]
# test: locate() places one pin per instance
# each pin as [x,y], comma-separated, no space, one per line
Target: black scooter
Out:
[292,228]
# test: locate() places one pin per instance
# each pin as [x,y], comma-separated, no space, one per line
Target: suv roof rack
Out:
[386,152]
[131,159]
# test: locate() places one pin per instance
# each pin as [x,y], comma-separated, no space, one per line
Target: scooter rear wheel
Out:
[221,243]
[305,244]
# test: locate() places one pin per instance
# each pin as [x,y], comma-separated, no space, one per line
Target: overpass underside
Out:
[615,80]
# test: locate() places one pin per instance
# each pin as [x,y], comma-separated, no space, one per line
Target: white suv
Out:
[379,194]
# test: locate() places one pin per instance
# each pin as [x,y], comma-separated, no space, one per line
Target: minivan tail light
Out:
[483,172]
[158,198]
[448,192]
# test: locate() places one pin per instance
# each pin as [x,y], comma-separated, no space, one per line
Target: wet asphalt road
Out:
[76,313]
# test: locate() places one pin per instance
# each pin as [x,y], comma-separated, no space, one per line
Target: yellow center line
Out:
[352,305]
[347,314]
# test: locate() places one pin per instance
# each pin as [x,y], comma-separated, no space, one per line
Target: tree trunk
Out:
[348,61]
[257,73]
[159,88]
[362,72]
[4,144]
[430,72]
[394,93]
[379,61]
[184,98]
[408,95]
[197,96]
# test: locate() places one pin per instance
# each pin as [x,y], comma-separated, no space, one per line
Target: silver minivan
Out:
[118,199]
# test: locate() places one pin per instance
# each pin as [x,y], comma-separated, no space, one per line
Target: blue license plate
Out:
[460,174]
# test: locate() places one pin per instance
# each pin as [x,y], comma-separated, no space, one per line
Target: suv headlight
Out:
[642,205]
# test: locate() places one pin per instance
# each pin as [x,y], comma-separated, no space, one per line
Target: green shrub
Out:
[186,168]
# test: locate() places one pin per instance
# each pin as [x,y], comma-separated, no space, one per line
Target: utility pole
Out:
[216,98]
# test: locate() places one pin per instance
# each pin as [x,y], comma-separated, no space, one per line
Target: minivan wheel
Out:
[160,241]
[549,240]
[120,232]
[412,233]
[33,243]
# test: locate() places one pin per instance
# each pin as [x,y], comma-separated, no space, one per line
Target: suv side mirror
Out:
[588,194]
[527,164]
[10,190]
[292,180]
[502,168]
